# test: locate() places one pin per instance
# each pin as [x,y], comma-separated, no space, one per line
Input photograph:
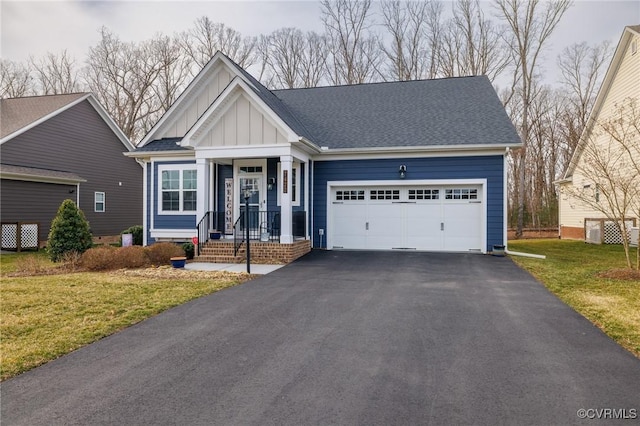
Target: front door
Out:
[254,184]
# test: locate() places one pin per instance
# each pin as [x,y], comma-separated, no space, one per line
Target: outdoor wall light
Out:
[271,183]
[403,171]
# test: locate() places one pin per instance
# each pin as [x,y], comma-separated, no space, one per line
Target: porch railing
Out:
[209,222]
[263,226]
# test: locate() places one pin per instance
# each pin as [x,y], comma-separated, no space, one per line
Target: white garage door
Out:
[436,218]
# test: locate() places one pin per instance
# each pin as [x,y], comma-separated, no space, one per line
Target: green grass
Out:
[44,317]
[571,271]
[10,262]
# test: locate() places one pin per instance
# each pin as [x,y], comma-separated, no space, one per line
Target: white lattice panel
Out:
[612,234]
[9,236]
[29,235]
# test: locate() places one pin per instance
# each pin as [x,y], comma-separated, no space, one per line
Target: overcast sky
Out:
[36,27]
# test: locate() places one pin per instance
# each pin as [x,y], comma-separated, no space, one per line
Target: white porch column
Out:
[202,168]
[286,225]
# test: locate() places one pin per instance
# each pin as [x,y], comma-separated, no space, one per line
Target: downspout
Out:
[505,189]
[311,174]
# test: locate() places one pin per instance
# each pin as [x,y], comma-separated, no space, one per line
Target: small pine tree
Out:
[69,232]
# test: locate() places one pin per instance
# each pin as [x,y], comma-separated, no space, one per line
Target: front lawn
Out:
[46,316]
[573,271]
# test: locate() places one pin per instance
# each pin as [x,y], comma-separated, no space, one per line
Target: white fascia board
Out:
[410,152]
[217,109]
[41,179]
[245,151]
[43,119]
[173,233]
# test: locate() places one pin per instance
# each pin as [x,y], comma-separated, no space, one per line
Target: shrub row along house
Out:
[602,181]
[65,147]
[417,165]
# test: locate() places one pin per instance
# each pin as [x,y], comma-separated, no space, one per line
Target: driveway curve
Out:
[346,338]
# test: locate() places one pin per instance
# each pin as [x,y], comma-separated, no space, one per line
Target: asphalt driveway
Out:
[346,338]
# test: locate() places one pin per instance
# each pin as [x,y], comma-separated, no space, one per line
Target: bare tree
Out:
[406,23]
[472,44]
[122,76]
[610,169]
[314,60]
[174,70]
[531,23]
[206,37]
[56,74]
[286,49]
[354,48]
[582,68]
[292,59]
[15,79]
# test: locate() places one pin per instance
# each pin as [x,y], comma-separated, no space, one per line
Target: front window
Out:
[179,189]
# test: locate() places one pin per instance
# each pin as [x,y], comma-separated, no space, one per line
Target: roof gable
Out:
[18,115]
[234,116]
[204,90]
[610,77]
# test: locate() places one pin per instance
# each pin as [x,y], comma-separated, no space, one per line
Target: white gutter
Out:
[497,147]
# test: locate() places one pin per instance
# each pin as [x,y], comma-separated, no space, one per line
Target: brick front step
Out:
[261,252]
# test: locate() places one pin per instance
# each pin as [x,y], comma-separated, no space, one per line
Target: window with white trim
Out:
[461,194]
[99,205]
[178,189]
[424,194]
[295,184]
[384,194]
[350,195]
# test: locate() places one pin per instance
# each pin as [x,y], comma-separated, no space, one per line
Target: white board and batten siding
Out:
[243,124]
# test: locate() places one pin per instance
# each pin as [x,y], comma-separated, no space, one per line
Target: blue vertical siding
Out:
[477,167]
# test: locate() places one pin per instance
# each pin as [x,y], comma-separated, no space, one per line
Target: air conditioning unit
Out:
[634,236]
[594,236]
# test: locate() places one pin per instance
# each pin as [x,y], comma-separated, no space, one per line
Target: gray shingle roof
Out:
[164,144]
[451,112]
[16,113]
[442,112]
[37,173]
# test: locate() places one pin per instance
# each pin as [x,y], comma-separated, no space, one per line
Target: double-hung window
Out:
[178,189]
[99,202]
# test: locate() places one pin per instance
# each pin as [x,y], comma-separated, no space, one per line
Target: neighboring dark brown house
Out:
[66,146]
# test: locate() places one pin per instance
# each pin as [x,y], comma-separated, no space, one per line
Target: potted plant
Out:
[214,234]
[178,261]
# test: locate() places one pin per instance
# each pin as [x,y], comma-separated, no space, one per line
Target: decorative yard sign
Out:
[228,206]
[127,240]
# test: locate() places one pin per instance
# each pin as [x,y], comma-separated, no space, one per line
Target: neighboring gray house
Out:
[66,146]
[416,165]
